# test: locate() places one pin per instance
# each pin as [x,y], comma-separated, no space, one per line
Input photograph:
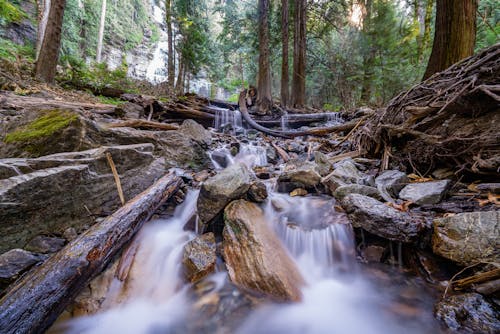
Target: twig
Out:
[116,176]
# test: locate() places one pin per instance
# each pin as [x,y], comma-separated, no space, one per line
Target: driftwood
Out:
[450,120]
[487,276]
[34,302]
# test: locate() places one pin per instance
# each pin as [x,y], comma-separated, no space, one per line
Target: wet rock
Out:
[230,184]
[220,158]
[468,238]
[43,244]
[468,313]
[201,176]
[271,154]
[15,262]
[199,257]
[380,219]
[255,257]
[59,190]
[257,192]
[324,165]
[343,191]
[373,253]
[425,192]
[298,192]
[390,183]
[299,174]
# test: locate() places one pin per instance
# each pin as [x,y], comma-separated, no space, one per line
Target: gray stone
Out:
[468,313]
[60,188]
[43,244]
[257,192]
[343,191]
[390,183]
[324,165]
[15,262]
[220,158]
[468,238]
[425,192]
[345,173]
[199,257]
[230,184]
[300,174]
[489,187]
[196,131]
[379,219]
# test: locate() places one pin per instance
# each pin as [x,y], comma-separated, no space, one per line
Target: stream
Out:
[341,295]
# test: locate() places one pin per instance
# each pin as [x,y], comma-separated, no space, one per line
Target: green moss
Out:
[44,126]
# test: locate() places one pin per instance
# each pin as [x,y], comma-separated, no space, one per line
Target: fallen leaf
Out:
[404,207]
[417,178]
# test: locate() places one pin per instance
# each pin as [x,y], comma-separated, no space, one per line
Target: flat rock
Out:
[425,192]
[468,238]
[199,257]
[255,257]
[43,244]
[468,313]
[379,219]
[230,184]
[390,183]
[15,262]
[343,191]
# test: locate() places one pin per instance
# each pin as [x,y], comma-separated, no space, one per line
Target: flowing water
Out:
[340,296]
[225,118]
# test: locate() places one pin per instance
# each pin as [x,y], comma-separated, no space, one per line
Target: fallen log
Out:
[140,123]
[34,302]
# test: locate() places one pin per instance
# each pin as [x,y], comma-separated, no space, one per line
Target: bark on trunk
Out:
[368,55]
[36,301]
[284,62]
[426,40]
[101,31]
[45,68]
[299,55]
[170,61]
[455,34]
[264,97]
[179,86]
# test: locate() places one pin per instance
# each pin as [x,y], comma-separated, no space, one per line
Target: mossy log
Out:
[34,303]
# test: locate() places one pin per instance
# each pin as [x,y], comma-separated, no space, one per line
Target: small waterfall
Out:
[334,118]
[250,154]
[284,121]
[227,118]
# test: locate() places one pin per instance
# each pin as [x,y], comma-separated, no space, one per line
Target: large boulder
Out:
[53,193]
[468,238]
[468,313]
[199,257]
[255,257]
[216,192]
[379,219]
[299,174]
[425,192]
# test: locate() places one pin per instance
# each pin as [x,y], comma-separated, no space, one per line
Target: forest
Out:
[239,166]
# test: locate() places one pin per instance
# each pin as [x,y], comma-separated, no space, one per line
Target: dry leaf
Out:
[492,199]
[404,207]
[416,178]
[473,187]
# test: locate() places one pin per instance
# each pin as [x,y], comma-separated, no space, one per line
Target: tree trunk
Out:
[170,61]
[45,68]
[368,55]
[179,86]
[43,7]
[285,92]
[36,301]
[101,32]
[455,34]
[264,97]
[426,39]
[299,55]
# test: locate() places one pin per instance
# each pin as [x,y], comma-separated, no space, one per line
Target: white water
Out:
[225,117]
[251,155]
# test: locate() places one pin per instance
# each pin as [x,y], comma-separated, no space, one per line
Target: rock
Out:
[230,184]
[15,262]
[220,158]
[489,187]
[271,154]
[255,257]
[43,244]
[343,191]
[380,219]
[298,192]
[199,257]
[299,174]
[70,234]
[131,110]
[59,190]
[373,253]
[468,313]
[201,176]
[257,192]
[425,192]
[468,238]
[324,165]
[181,150]
[196,131]
[390,183]
[345,172]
